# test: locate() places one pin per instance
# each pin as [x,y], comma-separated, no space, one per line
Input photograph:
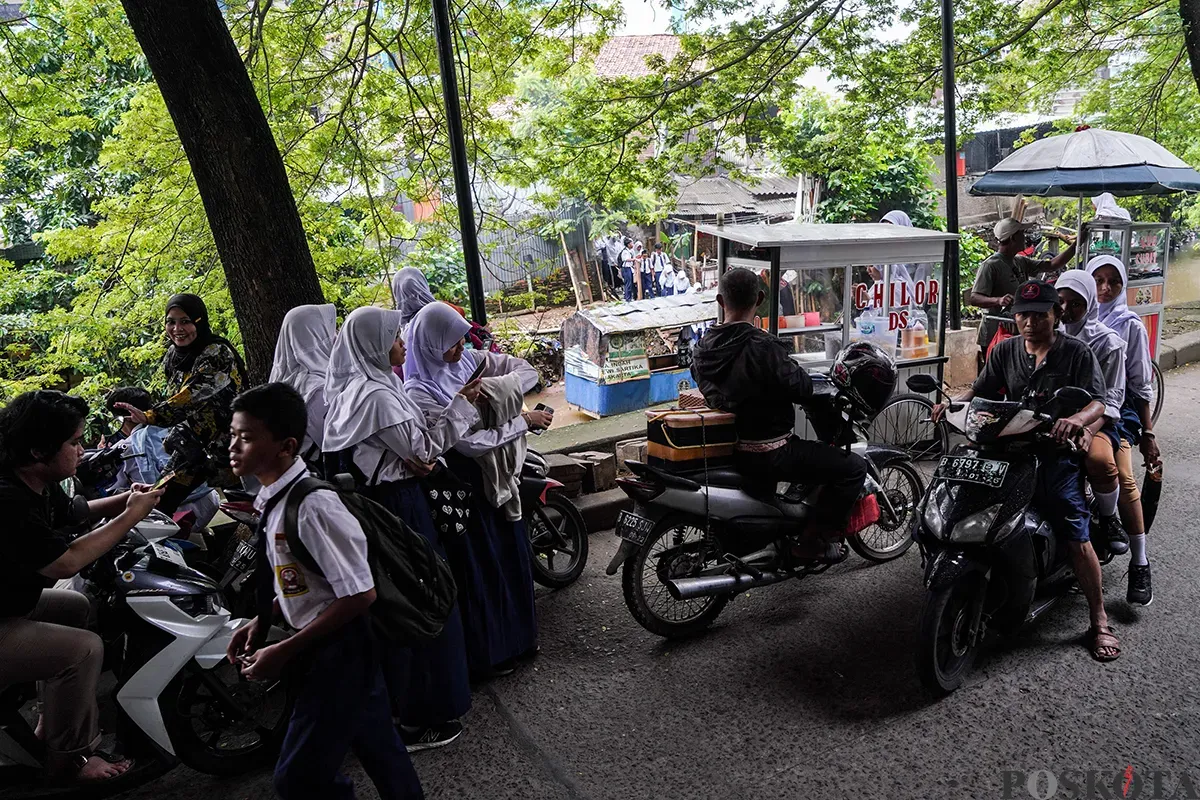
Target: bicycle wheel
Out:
[1160,392]
[904,423]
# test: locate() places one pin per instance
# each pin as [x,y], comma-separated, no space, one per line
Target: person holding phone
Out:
[376,432]
[492,562]
[43,635]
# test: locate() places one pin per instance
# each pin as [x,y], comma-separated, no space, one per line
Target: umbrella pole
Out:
[1079,231]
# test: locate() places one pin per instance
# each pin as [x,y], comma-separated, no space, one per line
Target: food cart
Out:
[1144,248]
[902,309]
[630,356]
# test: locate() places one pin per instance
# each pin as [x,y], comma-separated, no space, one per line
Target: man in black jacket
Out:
[747,372]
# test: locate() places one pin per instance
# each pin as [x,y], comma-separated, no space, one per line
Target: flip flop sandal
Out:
[111,759]
[1101,640]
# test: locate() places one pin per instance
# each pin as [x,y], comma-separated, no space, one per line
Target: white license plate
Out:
[167,553]
[634,528]
[963,469]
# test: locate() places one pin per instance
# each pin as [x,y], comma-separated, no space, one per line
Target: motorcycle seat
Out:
[721,477]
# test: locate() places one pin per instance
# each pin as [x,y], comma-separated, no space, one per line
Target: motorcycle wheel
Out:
[559,539]
[944,655]
[229,735]
[889,539]
[677,547]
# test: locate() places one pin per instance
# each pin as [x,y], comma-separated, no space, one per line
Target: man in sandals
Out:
[1040,361]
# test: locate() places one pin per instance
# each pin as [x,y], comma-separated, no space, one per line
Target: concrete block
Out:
[1167,357]
[961,347]
[600,470]
[1186,347]
[600,510]
[567,471]
[631,450]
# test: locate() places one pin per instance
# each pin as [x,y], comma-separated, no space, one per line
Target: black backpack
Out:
[414,588]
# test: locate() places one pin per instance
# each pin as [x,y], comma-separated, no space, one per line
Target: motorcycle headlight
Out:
[974,529]
[935,523]
[198,605]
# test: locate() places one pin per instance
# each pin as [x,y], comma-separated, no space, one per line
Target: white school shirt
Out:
[333,537]
[476,443]
[661,264]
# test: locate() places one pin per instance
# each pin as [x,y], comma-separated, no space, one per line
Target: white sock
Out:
[1137,549]
[1106,502]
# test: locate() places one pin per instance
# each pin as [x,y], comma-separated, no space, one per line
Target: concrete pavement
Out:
[807,689]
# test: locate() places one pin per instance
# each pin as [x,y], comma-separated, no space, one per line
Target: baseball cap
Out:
[1008,226]
[1035,296]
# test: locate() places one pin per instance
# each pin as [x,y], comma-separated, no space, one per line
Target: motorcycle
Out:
[991,561]
[696,539]
[165,631]
[557,533]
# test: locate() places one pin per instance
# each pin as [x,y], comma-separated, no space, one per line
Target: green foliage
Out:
[867,170]
[972,250]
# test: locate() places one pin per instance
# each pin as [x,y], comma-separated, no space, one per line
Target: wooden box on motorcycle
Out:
[682,440]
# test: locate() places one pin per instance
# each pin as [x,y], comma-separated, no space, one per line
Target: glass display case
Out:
[835,284]
[1144,248]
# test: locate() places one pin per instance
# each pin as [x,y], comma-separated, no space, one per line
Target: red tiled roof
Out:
[625,56]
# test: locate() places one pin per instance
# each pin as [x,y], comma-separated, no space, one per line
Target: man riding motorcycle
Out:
[1038,362]
[745,371]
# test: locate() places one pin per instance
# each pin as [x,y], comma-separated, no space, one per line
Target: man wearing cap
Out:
[1003,271]
[1035,365]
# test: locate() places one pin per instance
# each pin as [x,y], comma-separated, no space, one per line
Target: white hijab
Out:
[1116,314]
[912,273]
[1090,330]
[363,393]
[1106,206]
[303,347]
[437,328]
[410,291]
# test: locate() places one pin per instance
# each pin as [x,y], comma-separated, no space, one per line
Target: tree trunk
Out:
[583,292]
[1189,10]
[236,164]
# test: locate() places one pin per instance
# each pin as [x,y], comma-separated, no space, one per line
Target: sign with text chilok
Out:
[902,296]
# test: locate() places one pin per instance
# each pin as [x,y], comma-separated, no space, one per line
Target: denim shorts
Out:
[1059,496]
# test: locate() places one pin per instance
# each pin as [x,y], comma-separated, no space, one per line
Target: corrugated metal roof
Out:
[657,312]
[772,196]
[625,56]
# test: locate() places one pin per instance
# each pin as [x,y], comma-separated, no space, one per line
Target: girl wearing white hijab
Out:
[1081,319]
[1137,426]
[491,562]
[411,293]
[916,272]
[301,358]
[375,431]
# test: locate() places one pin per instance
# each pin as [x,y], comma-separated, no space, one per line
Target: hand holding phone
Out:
[162,481]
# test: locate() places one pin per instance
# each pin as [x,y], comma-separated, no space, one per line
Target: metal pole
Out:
[773,293]
[458,159]
[950,267]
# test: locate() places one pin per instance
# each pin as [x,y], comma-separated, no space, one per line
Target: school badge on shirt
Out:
[291,580]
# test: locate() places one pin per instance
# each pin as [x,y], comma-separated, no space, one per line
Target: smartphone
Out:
[162,481]
[542,407]
[478,370]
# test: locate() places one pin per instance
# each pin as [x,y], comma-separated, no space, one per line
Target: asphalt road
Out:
[807,689]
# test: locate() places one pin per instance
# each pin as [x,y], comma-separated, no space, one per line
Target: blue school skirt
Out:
[493,567]
[428,683]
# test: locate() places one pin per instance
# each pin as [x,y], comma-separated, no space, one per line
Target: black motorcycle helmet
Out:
[866,376]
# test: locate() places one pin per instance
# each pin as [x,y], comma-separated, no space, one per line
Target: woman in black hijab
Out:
[204,373]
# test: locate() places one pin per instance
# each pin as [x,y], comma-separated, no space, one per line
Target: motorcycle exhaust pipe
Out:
[710,585]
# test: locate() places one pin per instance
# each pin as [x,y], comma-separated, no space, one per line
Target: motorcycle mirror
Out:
[1073,398]
[923,384]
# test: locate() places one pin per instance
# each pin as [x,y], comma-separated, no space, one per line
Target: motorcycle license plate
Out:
[633,528]
[982,471]
[168,554]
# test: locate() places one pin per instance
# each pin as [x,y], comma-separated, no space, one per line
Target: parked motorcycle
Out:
[991,561]
[166,632]
[557,532]
[695,540]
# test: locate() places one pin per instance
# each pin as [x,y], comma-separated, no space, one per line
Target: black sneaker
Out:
[432,737]
[1139,585]
[1112,533]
